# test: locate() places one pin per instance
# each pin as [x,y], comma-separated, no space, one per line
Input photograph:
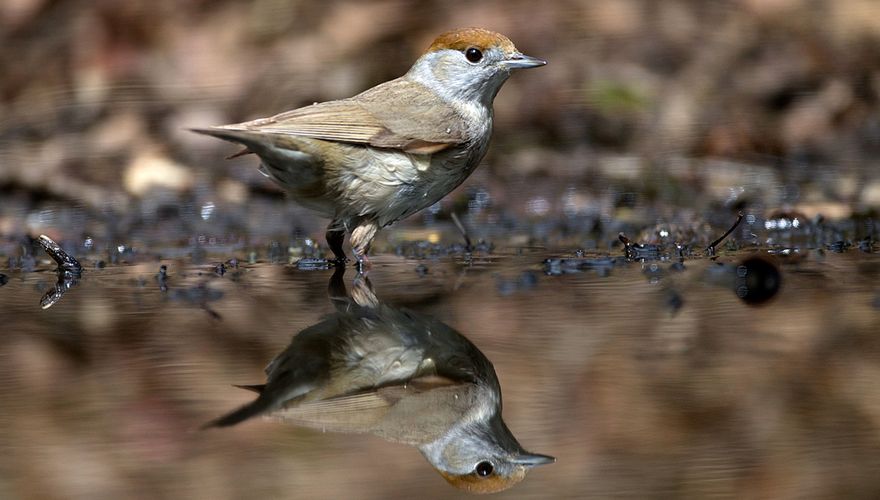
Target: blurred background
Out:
[658,119]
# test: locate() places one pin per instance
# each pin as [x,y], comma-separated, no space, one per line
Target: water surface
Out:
[643,379]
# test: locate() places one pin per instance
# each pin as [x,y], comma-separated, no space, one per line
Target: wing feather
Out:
[399,114]
[414,413]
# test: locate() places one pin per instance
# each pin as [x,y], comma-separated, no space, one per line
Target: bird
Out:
[370,160]
[408,378]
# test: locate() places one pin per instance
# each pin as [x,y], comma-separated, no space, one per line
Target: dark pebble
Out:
[674,300]
[528,280]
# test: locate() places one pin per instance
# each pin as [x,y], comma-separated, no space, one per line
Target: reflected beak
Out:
[532,459]
[518,61]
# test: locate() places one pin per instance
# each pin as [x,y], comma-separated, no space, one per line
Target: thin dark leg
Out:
[336,288]
[335,238]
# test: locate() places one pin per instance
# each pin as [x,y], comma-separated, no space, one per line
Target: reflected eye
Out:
[484,469]
[473,55]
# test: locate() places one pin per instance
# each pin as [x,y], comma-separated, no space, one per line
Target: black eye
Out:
[484,469]
[473,54]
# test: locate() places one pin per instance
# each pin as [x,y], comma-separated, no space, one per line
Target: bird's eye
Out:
[484,469]
[473,55]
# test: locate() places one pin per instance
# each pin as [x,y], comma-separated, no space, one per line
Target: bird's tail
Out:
[246,137]
[258,406]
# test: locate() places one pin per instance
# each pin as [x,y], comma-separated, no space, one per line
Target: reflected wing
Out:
[415,413]
[398,114]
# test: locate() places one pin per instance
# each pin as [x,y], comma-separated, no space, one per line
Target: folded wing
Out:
[399,114]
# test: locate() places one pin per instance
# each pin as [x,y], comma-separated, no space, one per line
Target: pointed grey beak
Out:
[532,459]
[518,61]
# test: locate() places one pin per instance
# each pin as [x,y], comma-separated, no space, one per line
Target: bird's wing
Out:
[399,114]
[413,413]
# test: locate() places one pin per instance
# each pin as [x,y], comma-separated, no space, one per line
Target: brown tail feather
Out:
[258,388]
[244,151]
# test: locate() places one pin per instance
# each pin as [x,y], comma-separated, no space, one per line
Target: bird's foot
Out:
[362,264]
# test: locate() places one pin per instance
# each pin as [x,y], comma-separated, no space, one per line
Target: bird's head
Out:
[470,64]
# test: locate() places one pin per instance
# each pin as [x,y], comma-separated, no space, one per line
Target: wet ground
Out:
[665,374]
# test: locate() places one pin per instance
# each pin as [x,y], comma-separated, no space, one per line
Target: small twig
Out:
[65,261]
[69,270]
[711,248]
[469,246]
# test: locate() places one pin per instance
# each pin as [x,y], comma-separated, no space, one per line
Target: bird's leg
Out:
[361,238]
[335,237]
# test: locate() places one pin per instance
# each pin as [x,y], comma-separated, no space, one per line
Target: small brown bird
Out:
[382,155]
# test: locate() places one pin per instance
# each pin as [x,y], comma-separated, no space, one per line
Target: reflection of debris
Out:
[3,279]
[65,282]
[199,295]
[162,278]
[601,265]
[69,271]
[673,299]
[757,280]
[422,270]
[527,280]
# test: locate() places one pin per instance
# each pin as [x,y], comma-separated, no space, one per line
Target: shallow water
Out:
[643,379]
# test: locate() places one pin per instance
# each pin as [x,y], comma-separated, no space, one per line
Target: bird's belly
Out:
[392,185]
[365,182]
[303,176]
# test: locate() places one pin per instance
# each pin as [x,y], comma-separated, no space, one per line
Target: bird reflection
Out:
[408,378]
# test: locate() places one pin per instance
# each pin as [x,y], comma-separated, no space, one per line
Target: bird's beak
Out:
[517,61]
[532,459]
